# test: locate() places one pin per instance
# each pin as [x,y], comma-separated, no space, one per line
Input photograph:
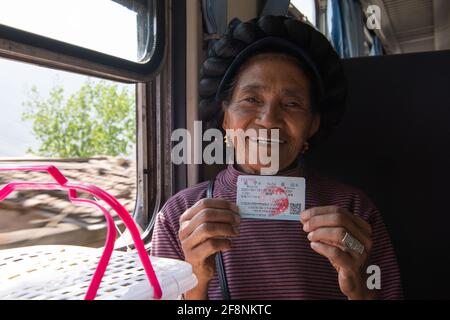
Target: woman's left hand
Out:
[326,227]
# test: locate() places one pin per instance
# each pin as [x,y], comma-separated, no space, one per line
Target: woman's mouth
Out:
[266,141]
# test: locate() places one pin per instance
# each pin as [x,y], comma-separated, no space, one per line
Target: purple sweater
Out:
[273,259]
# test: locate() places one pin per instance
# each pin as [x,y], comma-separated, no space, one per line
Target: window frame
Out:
[168,97]
[28,47]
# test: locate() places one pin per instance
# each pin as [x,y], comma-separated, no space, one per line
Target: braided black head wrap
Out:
[274,34]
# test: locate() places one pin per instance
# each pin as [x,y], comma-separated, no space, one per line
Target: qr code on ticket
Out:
[295,208]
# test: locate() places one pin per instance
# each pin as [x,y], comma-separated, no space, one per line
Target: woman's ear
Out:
[315,125]
[225,122]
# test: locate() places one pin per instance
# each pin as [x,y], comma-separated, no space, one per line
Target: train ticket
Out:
[270,197]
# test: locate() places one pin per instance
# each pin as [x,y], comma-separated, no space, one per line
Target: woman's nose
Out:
[270,116]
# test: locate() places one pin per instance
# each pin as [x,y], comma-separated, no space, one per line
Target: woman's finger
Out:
[334,236]
[208,203]
[316,211]
[209,230]
[208,215]
[339,258]
[331,235]
[341,221]
[209,247]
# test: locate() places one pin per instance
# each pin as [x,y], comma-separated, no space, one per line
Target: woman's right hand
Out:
[205,229]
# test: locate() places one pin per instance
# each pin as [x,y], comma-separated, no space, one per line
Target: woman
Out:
[277,73]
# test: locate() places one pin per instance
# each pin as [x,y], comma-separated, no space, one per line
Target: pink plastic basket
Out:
[61,183]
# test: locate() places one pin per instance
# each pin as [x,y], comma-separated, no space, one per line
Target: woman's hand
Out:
[204,230]
[326,227]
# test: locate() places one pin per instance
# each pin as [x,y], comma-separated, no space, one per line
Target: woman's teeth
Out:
[266,141]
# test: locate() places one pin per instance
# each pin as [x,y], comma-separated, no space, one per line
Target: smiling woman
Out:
[276,73]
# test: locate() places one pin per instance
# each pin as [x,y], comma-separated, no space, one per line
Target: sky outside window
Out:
[100,25]
[307,7]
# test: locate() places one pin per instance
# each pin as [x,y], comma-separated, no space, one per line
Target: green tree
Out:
[97,120]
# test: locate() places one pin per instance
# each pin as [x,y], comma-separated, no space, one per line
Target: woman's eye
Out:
[292,104]
[251,100]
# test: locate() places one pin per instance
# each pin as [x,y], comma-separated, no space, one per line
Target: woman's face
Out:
[272,92]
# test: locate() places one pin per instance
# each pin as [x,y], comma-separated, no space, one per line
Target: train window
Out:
[89,24]
[84,126]
[84,36]
[307,8]
[100,106]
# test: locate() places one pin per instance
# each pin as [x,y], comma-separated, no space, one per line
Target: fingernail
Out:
[310,236]
[237,218]
[236,230]
[313,245]
[306,226]
[235,208]
[304,215]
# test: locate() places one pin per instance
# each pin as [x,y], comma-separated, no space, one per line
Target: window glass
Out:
[121,28]
[307,8]
[84,126]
